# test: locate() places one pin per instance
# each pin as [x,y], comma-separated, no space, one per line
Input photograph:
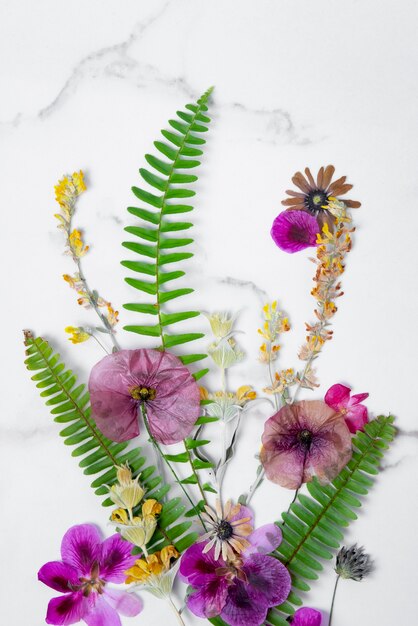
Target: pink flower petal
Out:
[67,609]
[264,540]
[123,602]
[338,396]
[115,559]
[102,615]
[293,231]
[307,617]
[356,417]
[80,548]
[59,576]
[171,415]
[357,398]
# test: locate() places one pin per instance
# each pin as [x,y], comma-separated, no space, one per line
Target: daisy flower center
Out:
[315,200]
[143,394]
[224,530]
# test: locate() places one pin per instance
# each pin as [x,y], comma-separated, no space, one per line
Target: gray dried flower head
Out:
[353,563]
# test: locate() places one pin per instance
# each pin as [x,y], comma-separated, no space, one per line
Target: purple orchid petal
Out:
[171,414]
[356,417]
[102,615]
[210,598]
[337,396]
[264,540]
[293,231]
[307,617]
[115,559]
[59,576]
[67,609]
[199,568]
[268,578]
[123,602]
[242,608]
[80,548]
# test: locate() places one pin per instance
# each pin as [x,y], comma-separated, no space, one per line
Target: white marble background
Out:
[88,84]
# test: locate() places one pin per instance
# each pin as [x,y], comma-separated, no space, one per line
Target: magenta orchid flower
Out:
[340,399]
[123,382]
[87,565]
[241,590]
[293,231]
[303,439]
[307,617]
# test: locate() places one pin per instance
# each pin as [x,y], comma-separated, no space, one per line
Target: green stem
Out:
[333,600]
[195,474]
[170,467]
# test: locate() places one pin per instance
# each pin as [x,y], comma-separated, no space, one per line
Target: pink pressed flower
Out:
[307,617]
[123,381]
[87,565]
[242,589]
[293,231]
[340,399]
[304,439]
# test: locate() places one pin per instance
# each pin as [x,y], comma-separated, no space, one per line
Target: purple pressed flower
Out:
[293,231]
[340,399]
[124,381]
[307,617]
[240,589]
[304,439]
[87,565]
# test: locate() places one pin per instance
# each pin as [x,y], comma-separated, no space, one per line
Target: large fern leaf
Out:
[313,528]
[69,404]
[160,240]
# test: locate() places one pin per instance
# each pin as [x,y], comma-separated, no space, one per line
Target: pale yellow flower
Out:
[75,242]
[78,334]
[127,493]
[221,323]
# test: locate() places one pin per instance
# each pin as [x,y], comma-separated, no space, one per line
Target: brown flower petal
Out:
[328,174]
[300,181]
[339,189]
[310,177]
[320,177]
[291,201]
[352,204]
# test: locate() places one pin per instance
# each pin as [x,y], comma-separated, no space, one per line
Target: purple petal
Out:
[268,578]
[102,615]
[198,568]
[293,231]
[242,608]
[59,576]
[244,512]
[307,617]
[338,396]
[81,547]
[356,417]
[264,540]
[67,609]
[209,599]
[123,602]
[115,559]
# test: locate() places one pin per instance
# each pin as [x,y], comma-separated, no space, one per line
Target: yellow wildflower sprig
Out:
[275,323]
[333,246]
[67,191]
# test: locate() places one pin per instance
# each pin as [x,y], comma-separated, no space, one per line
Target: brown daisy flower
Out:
[229,528]
[314,195]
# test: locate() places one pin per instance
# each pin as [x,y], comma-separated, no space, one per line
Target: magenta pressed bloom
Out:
[307,617]
[340,399]
[87,565]
[293,231]
[304,439]
[242,589]
[123,381]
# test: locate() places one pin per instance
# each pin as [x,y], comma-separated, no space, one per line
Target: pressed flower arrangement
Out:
[139,403]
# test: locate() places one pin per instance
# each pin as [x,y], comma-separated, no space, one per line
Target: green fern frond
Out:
[159,236]
[313,528]
[69,405]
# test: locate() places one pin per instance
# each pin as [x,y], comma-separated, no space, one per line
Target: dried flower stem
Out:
[170,467]
[195,474]
[176,611]
[333,600]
